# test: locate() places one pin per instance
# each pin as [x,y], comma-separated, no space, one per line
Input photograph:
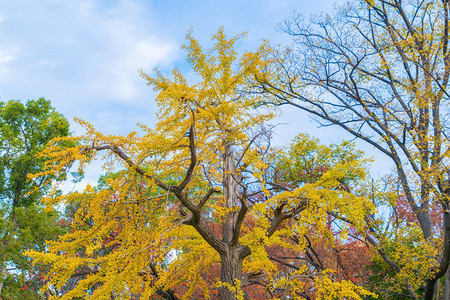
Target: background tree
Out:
[309,247]
[213,146]
[25,129]
[379,69]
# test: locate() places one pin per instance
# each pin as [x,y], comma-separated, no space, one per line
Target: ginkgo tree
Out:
[184,202]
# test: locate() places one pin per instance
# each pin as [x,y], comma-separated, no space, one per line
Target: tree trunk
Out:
[436,290]
[230,273]
[3,275]
[443,263]
[231,193]
[446,295]
[232,257]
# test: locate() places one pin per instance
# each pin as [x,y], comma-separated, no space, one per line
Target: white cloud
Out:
[6,56]
[133,50]
[120,42]
[83,55]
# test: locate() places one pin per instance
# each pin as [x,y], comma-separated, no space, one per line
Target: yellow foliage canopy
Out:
[194,204]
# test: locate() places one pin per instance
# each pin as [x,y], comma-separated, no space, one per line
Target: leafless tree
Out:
[379,69]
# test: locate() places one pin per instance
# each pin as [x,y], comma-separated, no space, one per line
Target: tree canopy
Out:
[25,129]
[380,69]
[200,205]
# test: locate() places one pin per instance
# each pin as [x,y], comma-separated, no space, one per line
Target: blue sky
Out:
[85,55]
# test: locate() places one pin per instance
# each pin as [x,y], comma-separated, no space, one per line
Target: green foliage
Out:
[307,160]
[25,129]
[24,132]
[34,226]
